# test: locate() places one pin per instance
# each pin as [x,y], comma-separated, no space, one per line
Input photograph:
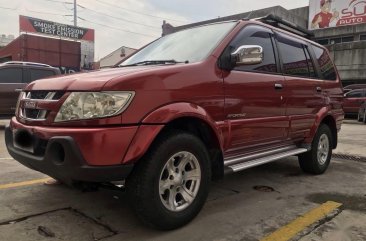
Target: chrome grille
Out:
[35,113]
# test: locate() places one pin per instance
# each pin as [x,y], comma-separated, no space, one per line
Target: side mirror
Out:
[247,55]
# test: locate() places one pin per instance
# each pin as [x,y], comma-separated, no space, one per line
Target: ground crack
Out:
[321,222]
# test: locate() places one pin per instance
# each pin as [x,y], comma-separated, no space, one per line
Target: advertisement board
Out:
[35,25]
[334,13]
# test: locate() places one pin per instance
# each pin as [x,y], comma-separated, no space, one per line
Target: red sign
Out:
[34,25]
[333,13]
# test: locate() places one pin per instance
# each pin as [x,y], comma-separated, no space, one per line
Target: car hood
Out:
[91,81]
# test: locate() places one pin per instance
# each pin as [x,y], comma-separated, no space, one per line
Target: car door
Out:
[39,73]
[254,98]
[303,88]
[11,79]
[353,101]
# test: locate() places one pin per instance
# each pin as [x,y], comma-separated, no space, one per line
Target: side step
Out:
[245,163]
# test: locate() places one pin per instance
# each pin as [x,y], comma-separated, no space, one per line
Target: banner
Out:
[334,13]
[34,25]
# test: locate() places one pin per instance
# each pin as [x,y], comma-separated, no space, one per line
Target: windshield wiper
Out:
[155,62]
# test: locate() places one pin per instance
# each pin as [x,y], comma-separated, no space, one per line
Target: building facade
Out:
[347,44]
[116,57]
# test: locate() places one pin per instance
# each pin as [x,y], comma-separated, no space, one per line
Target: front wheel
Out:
[359,117]
[316,161]
[169,186]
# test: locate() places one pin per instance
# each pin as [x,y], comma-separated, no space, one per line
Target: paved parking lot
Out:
[239,207]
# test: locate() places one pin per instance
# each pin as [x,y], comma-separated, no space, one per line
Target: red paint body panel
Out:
[352,105]
[99,146]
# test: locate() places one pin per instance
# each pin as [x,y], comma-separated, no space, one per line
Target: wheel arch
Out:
[329,120]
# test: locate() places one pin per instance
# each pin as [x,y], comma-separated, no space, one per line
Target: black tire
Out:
[143,183]
[309,161]
[364,117]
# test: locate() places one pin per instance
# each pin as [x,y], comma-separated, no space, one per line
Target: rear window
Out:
[11,75]
[295,57]
[325,63]
[40,74]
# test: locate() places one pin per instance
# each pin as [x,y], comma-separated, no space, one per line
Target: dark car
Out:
[353,101]
[14,76]
[362,113]
[188,108]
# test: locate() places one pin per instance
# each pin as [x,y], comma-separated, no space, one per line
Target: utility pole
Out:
[75,14]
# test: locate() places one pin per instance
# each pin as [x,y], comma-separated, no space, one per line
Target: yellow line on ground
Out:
[290,230]
[25,183]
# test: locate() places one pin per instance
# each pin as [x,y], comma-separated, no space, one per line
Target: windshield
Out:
[191,45]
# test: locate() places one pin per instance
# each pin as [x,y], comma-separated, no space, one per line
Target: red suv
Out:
[353,100]
[189,107]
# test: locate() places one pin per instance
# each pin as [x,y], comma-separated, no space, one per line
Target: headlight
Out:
[91,105]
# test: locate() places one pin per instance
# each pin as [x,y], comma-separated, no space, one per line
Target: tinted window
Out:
[293,57]
[355,94]
[310,63]
[325,63]
[255,35]
[11,75]
[40,74]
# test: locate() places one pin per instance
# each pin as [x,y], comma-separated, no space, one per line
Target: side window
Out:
[257,35]
[355,94]
[11,75]
[294,58]
[325,63]
[310,63]
[40,74]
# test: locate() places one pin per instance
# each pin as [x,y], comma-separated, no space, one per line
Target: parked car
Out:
[353,101]
[14,76]
[362,113]
[187,108]
[349,88]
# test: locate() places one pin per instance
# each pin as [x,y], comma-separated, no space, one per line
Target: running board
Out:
[260,161]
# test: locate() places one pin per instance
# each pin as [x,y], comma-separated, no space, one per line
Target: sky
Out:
[130,23]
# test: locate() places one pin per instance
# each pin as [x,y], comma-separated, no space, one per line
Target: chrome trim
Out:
[41,116]
[242,158]
[266,159]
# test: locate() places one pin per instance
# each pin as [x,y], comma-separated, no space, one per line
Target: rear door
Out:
[254,100]
[303,88]
[38,73]
[11,83]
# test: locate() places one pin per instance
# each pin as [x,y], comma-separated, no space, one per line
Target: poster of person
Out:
[333,13]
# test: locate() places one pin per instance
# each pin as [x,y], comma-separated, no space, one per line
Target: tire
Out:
[157,192]
[364,117]
[317,160]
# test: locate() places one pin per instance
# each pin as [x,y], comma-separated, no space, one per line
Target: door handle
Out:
[318,89]
[278,86]
[18,90]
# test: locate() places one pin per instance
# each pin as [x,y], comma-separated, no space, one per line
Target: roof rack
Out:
[26,63]
[286,25]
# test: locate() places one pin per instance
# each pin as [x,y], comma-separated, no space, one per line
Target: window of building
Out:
[363,37]
[257,35]
[325,63]
[39,74]
[295,61]
[348,39]
[11,75]
[335,40]
[323,41]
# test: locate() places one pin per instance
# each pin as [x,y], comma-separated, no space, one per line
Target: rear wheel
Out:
[169,186]
[317,160]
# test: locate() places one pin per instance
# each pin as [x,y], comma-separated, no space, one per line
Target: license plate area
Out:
[23,140]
